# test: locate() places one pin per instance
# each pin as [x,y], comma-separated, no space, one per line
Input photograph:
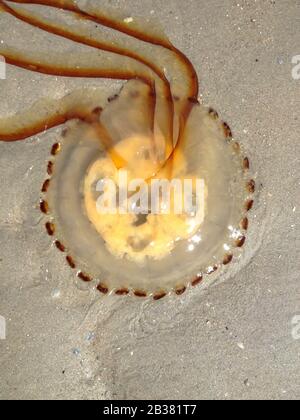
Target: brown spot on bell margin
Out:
[244,223]
[246,163]
[180,290]
[94,116]
[249,204]
[176,98]
[194,101]
[71,262]
[140,293]
[46,185]
[44,207]
[227,259]
[240,242]
[251,186]
[214,269]
[227,131]
[84,277]
[213,113]
[50,228]
[122,292]
[113,98]
[55,149]
[60,246]
[102,288]
[159,296]
[98,110]
[50,168]
[197,280]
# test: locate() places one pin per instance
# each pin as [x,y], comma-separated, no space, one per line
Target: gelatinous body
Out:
[155,129]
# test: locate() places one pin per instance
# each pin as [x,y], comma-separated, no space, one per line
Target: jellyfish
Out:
[154,133]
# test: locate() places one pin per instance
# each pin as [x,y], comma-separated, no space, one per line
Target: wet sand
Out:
[235,340]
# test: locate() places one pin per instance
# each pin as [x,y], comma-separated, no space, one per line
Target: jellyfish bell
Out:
[158,251]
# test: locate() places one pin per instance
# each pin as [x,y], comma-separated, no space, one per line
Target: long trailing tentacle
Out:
[20,60]
[121,26]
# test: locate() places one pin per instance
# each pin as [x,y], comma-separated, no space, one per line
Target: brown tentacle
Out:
[72,72]
[122,27]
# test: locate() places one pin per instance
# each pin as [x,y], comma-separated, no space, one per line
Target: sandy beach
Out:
[239,338]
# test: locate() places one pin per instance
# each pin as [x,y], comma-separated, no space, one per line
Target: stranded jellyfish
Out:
[154,132]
